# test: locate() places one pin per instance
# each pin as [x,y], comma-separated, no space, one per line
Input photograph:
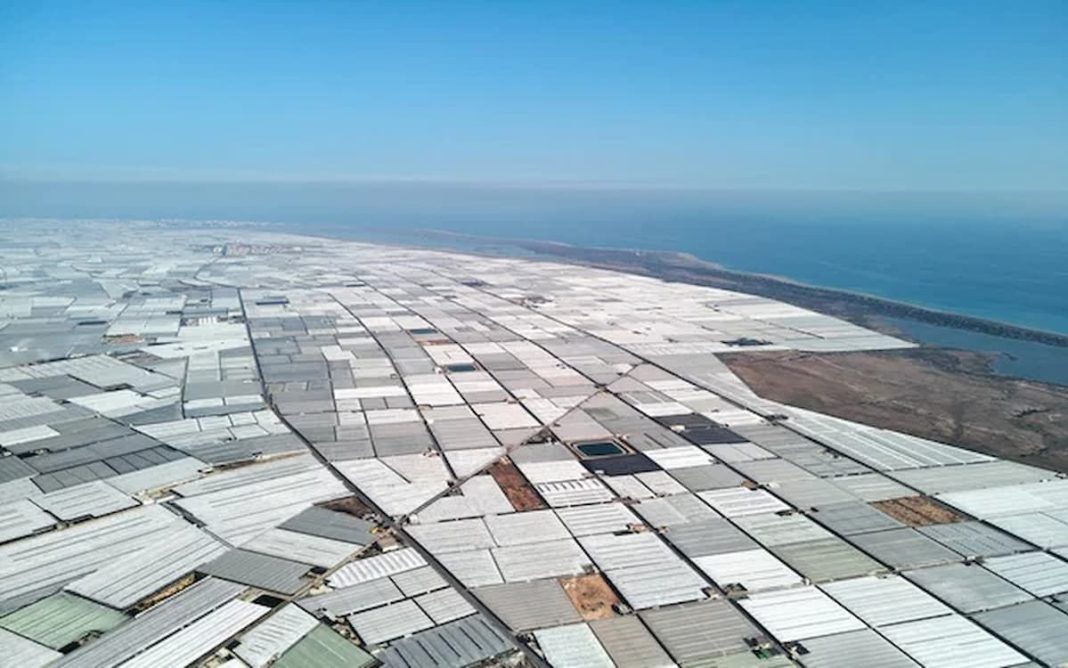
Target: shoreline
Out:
[679,266]
[687,268]
[876,313]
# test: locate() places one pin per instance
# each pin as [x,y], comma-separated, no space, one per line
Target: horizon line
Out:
[514,184]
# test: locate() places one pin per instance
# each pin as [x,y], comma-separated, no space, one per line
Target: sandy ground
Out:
[591,596]
[515,487]
[937,394]
[917,511]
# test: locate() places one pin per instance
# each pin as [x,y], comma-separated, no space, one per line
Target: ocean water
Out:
[1011,274]
[986,270]
[1014,273]
[1007,273]
[1018,359]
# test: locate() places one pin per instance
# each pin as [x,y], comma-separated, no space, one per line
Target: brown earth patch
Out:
[942,395]
[591,596]
[350,505]
[515,486]
[917,511]
[170,590]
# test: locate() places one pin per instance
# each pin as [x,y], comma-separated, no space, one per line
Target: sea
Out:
[1014,275]
[989,266]
[998,256]
[1018,276]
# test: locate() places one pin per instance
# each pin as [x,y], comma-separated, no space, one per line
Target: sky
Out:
[874,95]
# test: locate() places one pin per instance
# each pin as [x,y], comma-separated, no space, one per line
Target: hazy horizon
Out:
[331,201]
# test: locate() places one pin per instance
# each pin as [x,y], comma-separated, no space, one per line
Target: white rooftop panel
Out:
[756,570]
[274,635]
[573,645]
[22,518]
[740,501]
[799,613]
[378,566]
[200,637]
[1040,573]
[885,600]
[91,499]
[952,642]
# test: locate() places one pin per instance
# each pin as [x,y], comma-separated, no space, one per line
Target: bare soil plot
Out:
[942,395]
[591,596]
[917,511]
[519,492]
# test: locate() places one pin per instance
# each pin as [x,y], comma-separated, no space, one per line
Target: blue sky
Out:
[751,94]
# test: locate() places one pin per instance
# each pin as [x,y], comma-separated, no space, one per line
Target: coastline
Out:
[946,393]
[1044,353]
[1009,351]
[688,268]
[859,307]
[670,265]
